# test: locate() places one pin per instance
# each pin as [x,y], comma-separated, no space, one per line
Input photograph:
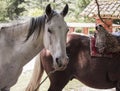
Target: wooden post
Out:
[85,30]
[71,29]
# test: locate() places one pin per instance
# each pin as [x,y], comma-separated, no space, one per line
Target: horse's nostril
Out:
[58,62]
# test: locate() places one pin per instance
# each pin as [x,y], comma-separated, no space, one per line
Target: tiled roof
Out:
[108,9]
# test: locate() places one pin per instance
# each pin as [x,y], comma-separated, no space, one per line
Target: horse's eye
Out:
[67,29]
[49,31]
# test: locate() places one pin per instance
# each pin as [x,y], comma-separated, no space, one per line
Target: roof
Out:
[108,9]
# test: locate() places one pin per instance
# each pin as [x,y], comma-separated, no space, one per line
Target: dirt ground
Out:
[73,85]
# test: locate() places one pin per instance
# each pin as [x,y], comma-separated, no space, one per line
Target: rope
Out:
[51,72]
[98,7]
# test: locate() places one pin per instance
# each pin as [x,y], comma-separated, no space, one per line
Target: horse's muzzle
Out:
[61,63]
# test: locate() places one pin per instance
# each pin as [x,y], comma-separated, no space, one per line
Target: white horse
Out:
[19,43]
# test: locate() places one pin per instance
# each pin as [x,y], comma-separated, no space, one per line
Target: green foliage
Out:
[33,8]
[76,7]
[91,31]
[35,12]
[87,19]
[116,21]
[78,30]
[3,12]
[12,9]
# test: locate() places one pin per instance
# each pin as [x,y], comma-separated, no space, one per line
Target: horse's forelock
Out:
[53,13]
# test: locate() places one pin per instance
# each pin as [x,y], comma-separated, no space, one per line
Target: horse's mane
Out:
[36,24]
[39,23]
[11,24]
[33,25]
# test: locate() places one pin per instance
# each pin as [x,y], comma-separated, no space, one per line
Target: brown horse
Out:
[96,72]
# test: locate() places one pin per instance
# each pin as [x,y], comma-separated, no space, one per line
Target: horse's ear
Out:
[48,10]
[65,10]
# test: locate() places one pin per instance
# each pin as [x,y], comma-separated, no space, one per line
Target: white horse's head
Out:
[55,36]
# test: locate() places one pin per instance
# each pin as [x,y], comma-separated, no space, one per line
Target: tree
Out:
[3,12]
[16,8]
[13,9]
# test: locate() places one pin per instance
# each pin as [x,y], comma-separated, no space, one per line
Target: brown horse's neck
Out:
[78,48]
